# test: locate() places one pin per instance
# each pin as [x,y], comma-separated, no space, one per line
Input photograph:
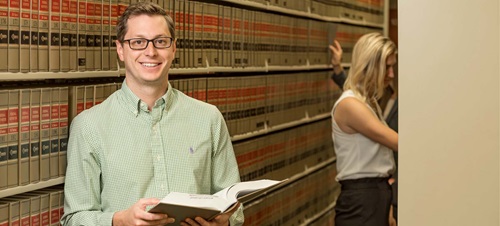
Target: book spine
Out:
[65,44]
[4,34]
[4,150]
[43,36]
[45,134]
[33,51]
[113,56]
[73,35]
[13,139]
[89,53]
[24,137]
[14,36]
[55,36]
[54,133]
[24,52]
[35,135]
[82,35]
[63,129]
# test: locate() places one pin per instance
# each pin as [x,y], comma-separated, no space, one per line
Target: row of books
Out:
[78,35]
[297,203]
[286,153]
[41,207]
[254,103]
[33,135]
[366,11]
[371,11]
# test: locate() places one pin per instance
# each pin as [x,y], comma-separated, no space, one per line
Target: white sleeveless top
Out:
[359,156]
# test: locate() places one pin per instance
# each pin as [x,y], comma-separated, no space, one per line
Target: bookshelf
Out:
[274,50]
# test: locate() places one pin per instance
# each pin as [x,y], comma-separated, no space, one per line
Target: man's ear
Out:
[119,49]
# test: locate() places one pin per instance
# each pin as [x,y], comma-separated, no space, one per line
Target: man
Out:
[147,139]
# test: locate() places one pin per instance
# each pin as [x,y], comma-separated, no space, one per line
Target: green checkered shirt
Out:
[120,152]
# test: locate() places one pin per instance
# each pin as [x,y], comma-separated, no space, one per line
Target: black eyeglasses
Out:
[142,43]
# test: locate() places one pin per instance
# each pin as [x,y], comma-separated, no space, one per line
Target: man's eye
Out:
[160,41]
[137,42]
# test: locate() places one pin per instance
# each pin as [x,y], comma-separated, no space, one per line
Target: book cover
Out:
[183,205]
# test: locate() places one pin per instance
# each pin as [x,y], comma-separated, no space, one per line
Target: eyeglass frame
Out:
[148,41]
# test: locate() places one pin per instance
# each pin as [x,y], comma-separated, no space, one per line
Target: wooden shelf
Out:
[30,187]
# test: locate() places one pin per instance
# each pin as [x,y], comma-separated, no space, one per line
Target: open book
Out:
[182,205]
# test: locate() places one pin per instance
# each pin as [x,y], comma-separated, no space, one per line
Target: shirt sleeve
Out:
[339,79]
[82,205]
[225,168]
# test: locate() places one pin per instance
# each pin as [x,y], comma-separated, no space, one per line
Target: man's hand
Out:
[137,215]
[221,220]
[336,50]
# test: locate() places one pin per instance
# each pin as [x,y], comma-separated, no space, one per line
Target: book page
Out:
[197,200]
[232,193]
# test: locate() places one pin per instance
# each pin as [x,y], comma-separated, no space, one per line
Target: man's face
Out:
[148,66]
[389,74]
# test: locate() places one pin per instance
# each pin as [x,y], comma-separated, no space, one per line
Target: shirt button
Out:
[158,157]
[162,187]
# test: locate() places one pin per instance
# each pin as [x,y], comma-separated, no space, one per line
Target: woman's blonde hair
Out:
[369,68]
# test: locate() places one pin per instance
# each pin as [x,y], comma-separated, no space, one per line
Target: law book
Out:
[183,205]
[24,137]
[54,133]
[98,47]
[89,52]
[13,139]
[4,214]
[33,52]
[14,39]
[106,38]
[45,133]
[63,129]
[4,34]
[43,36]
[113,56]
[55,36]
[13,211]
[25,41]
[65,36]
[73,35]
[35,135]
[22,211]
[4,150]
[82,35]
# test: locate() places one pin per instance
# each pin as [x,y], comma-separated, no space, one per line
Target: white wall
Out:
[449,112]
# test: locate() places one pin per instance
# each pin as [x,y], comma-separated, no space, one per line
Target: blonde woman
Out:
[363,141]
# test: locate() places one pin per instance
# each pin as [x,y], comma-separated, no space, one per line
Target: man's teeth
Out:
[149,64]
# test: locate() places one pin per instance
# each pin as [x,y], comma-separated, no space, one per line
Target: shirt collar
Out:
[135,105]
